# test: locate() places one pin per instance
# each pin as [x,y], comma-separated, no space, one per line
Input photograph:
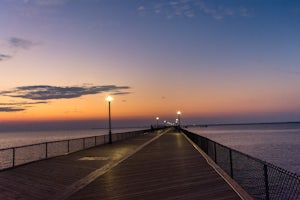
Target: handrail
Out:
[262,180]
[11,157]
[253,158]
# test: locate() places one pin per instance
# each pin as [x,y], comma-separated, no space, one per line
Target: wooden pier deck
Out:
[154,166]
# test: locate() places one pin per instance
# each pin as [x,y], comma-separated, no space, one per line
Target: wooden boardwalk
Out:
[154,166]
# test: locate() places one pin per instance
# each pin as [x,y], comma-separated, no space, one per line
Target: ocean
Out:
[20,138]
[278,144]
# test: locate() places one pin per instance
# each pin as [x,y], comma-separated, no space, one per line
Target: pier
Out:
[160,165]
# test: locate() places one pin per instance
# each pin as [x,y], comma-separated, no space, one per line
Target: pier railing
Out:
[15,156]
[260,179]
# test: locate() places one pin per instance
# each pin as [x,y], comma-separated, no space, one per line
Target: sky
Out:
[217,61]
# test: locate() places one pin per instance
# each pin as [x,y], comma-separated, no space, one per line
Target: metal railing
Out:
[260,179]
[15,156]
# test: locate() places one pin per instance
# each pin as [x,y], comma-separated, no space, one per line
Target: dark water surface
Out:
[278,144]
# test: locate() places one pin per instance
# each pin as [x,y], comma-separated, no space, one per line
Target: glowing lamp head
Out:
[178,113]
[157,118]
[109,99]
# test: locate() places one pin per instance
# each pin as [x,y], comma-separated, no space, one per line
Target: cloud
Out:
[120,93]
[244,12]
[11,109]
[45,2]
[191,8]
[169,9]
[18,106]
[23,103]
[219,12]
[47,92]
[4,57]
[41,93]
[15,44]
[19,43]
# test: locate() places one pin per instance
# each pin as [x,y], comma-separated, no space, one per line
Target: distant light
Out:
[157,118]
[178,113]
[109,99]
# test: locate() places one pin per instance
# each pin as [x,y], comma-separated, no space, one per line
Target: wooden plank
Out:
[47,178]
[95,174]
[169,168]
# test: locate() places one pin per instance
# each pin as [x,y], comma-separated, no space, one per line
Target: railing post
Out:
[266,181]
[215,150]
[46,150]
[13,154]
[83,143]
[230,157]
[95,141]
[68,146]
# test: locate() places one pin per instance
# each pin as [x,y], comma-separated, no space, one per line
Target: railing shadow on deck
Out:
[16,156]
[260,179]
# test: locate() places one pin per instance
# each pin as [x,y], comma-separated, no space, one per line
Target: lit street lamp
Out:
[109,99]
[178,117]
[157,118]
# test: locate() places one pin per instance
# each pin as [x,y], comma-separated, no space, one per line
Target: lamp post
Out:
[178,117]
[109,99]
[157,118]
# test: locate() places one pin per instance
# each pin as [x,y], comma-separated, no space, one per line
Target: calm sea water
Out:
[278,144]
[19,138]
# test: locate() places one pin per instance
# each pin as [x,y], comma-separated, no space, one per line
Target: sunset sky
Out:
[217,61]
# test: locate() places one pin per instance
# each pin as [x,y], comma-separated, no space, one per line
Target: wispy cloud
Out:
[41,94]
[23,103]
[120,93]
[169,9]
[11,109]
[244,12]
[14,45]
[192,8]
[18,106]
[20,43]
[47,92]
[4,57]
[45,2]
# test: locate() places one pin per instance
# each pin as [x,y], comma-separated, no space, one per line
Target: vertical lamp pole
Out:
[109,99]
[157,118]
[178,117]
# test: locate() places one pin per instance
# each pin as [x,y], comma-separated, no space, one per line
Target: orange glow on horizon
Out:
[144,105]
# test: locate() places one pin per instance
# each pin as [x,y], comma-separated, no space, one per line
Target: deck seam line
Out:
[78,185]
[213,165]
